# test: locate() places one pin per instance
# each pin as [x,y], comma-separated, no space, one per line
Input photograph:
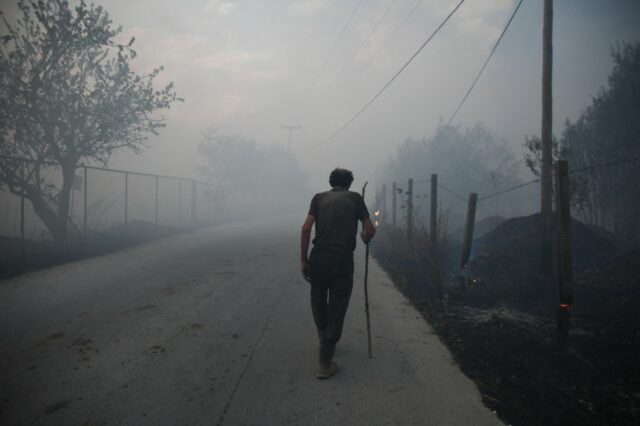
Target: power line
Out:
[333,49]
[388,39]
[485,64]
[368,104]
[364,43]
[513,188]
[452,192]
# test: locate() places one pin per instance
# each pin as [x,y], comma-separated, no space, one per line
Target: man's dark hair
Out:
[341,177]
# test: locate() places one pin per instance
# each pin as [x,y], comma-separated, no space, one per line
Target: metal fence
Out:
[102,198]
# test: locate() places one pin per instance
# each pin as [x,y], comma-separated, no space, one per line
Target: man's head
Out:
[341,177]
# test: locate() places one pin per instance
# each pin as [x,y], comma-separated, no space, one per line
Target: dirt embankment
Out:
[18,256]
[502,331]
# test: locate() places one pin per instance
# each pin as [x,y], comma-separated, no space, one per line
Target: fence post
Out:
[384,202]
[84,205]
[126,198]
[393,205]
[179,201]
[157,179]
[194,204]
[565,271]
[433,231]
[24,184]
[468,229]
[409,211]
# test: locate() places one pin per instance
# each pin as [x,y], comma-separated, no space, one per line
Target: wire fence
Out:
[103,198]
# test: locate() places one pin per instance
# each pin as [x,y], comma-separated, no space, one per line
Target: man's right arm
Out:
[368,230]
[304,246]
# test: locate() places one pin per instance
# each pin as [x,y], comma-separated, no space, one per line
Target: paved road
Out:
[214,327]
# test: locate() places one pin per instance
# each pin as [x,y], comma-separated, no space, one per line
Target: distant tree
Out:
[533,153]
[608,131]
[469,160]
[233,164]
[559,151]
[68,95]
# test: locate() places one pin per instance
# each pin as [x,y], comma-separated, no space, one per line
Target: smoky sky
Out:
[249,66]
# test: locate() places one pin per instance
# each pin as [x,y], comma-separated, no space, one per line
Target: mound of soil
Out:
[512,249]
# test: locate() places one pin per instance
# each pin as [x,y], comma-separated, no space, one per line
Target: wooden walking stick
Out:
[366,289]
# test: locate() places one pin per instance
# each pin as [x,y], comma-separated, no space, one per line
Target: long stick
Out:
[366,288]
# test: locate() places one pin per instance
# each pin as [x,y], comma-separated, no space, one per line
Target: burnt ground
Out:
[17,257]
[502,331]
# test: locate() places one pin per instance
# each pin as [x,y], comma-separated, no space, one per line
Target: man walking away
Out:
[329,268]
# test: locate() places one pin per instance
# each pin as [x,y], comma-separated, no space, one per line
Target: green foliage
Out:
[68,94]
[608,131]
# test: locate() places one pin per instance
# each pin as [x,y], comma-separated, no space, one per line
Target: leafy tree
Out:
[604,148]
[68,96]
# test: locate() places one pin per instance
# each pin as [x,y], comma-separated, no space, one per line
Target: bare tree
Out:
[68,95]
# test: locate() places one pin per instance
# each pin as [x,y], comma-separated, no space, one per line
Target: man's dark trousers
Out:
[331,285]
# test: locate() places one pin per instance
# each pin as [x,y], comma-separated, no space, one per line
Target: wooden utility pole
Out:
[546,188]
[565,263]
[433,228]
[393,204]
[410,211]
[290,129]
[468,230]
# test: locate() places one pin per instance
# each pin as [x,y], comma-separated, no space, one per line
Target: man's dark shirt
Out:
[336,213]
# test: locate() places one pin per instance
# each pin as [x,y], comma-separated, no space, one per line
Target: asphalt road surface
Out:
[214,327]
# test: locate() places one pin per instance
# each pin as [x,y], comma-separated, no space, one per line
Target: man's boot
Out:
[327,367]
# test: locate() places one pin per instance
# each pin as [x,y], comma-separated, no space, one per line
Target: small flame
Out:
[376,213]
[376,223]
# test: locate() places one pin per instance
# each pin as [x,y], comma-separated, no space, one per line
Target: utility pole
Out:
[290,128]
[565,261]
[409,194]
[546,186]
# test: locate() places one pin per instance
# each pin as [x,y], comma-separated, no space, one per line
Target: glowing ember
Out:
[565,305]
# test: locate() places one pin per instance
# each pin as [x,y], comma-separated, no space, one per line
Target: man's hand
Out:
[368,231]
[304,268]
[365,237]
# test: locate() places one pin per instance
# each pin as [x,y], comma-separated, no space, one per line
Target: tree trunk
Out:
[56,220]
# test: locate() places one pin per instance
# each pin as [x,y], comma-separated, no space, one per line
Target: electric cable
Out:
[364,43]
[391,36]
[406,64]
[334,48]
[485,64]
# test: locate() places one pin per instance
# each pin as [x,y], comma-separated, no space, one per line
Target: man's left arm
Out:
[305,238]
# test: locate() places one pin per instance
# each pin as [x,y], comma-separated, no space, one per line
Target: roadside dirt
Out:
[17,257]
[502,330]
